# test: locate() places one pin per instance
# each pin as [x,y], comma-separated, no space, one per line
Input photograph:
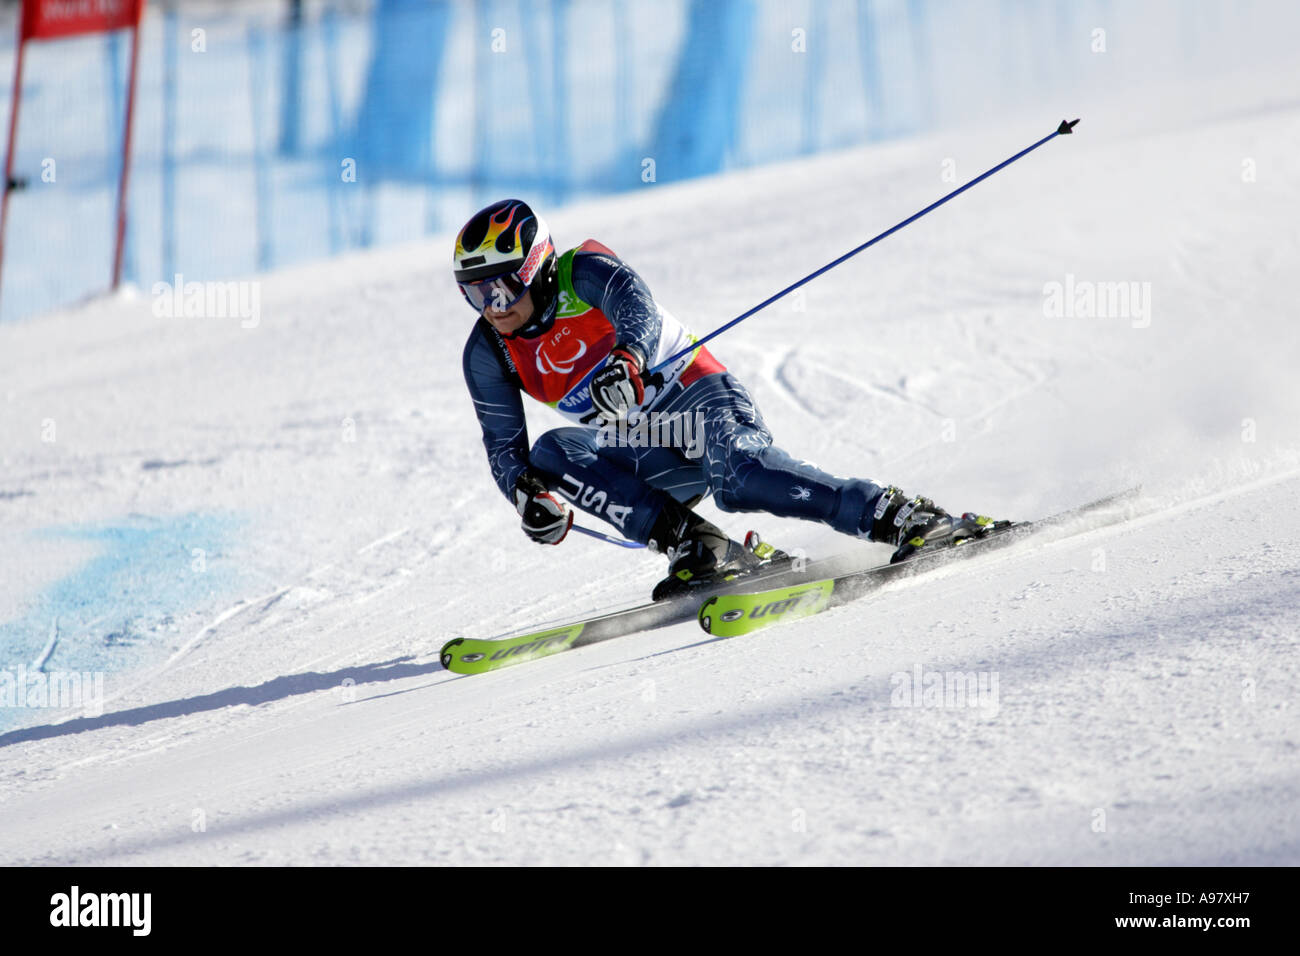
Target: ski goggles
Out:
[499,292]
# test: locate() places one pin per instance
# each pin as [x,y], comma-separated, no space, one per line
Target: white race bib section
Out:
[673,337]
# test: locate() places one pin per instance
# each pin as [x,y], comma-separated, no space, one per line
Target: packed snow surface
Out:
[258,531]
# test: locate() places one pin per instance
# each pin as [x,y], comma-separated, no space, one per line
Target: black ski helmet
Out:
[503,251]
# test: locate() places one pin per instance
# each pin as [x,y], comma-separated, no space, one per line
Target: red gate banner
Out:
[46,19]
[49,20]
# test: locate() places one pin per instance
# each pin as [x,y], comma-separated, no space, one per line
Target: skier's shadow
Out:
[273,690]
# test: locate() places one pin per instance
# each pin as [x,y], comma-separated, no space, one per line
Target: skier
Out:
[581,333]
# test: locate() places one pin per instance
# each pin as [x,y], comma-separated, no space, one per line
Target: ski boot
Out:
[701,554]
[911,524]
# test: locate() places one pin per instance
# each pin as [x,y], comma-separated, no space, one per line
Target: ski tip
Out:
[1067,127]
[705,616]
[445,656]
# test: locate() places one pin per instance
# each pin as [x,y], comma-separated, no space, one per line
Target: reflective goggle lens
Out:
[500,292]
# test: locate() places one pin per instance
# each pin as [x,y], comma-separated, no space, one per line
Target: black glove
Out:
[547,517]
[617,388]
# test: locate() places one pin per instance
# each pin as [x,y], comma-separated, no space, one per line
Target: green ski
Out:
[474,655]
[728,615]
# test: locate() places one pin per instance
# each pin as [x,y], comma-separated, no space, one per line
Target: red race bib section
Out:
[552,365]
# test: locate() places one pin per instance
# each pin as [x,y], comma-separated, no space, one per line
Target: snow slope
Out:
[262,536]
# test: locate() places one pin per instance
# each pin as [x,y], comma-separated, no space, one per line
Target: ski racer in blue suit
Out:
[580,331]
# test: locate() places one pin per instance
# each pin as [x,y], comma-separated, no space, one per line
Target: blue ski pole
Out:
[1063,129]
[605,537]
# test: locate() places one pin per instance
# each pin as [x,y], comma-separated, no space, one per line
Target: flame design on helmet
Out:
[507,236]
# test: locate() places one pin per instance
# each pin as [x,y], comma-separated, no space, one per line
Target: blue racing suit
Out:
[701,434]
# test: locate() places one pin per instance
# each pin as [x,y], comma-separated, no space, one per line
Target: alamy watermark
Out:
[209,300]
[82,691]
[684,430]
[1085,299]
[77,908]
[951,689]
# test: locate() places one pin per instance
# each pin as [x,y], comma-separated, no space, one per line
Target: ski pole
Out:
[604,537]
[1062,130]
